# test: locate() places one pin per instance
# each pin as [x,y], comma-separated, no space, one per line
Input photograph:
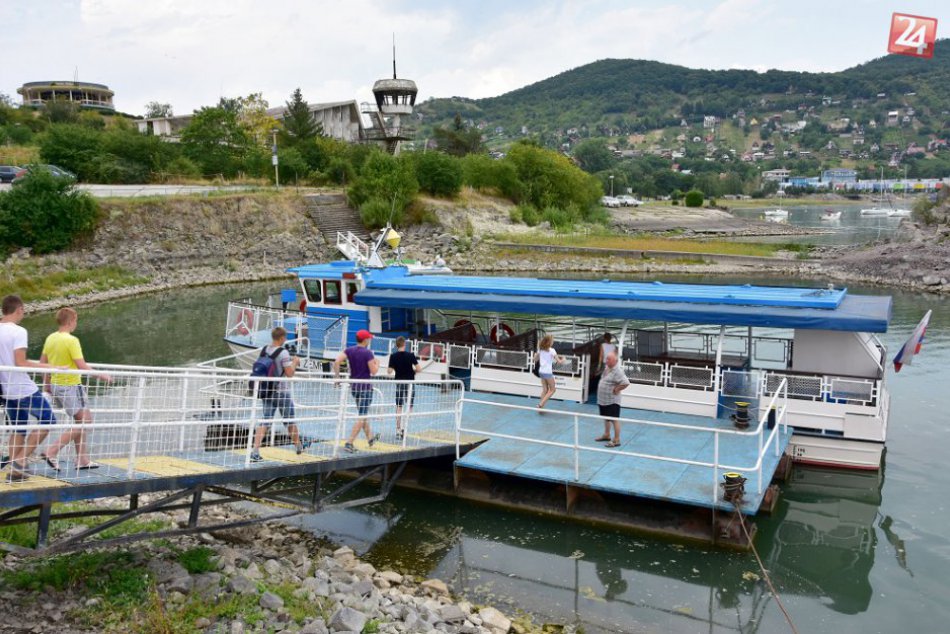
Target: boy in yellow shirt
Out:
[62,348]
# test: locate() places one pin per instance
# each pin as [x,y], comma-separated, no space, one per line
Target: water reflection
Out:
[820,544]
[850,228]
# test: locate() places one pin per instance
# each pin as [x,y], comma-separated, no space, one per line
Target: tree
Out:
[215,140]
[60,111]
[155,110]
[593,156]
[439,174]
[694,198]
[388,180]
[72,146]
[299,124]
[458,140]
[252,114]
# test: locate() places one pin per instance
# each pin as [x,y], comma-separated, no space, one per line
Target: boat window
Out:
[312,289]
[331,292]
[351,289]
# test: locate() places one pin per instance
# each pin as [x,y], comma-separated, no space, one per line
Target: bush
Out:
[340,170]
[530,215]
[292,165]
[386,178]
[183,167]
[550,179]
[74,147]
[375,213]
[45,213]
[694,198]
[439,174]
[515,215]
[483,173]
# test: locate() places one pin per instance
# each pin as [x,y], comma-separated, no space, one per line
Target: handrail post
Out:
[136,423]
[715,489]
[577,451]
[407,413]
[252,425]
[341,418]
[184,411]
[458,425]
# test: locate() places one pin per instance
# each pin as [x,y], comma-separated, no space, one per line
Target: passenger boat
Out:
[830,215]
[876,211]
[776,213]
[690,349]
[899,213]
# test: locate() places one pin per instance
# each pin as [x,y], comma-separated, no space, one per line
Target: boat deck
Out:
[614,470]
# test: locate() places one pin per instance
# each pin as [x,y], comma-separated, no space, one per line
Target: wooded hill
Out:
[614,97]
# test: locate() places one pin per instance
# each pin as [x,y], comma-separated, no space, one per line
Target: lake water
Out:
[848,552]
[851,228]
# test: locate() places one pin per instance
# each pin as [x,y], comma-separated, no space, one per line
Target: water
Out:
[851,228]
[848,552]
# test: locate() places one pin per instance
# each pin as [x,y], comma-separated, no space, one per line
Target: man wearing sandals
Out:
[612,382]
[22,397]
[62,348]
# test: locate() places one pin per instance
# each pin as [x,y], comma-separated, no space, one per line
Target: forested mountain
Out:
[622,96]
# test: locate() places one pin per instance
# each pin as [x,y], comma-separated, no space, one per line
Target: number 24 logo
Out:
[912,35]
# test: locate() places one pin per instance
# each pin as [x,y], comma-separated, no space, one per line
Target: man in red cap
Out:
[363,365]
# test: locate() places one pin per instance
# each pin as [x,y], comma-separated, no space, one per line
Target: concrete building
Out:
[777,175]
[84,94]
[839,175]
[340,120]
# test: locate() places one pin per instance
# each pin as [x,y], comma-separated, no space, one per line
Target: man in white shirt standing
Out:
[22,397]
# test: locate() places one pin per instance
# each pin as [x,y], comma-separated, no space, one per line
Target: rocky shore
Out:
[261,578]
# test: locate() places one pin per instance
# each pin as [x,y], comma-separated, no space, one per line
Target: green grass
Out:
[197,560]
[25,534]
[34,284]
[647,243]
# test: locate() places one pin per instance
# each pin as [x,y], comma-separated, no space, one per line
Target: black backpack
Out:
[265,367]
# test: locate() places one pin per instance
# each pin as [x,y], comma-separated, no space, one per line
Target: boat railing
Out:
[767,439]
[254,322]
[150,422]
[670,375]
[350,245]
[334,332]
[831,389]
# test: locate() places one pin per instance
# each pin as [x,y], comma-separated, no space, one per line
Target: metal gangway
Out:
[183,433]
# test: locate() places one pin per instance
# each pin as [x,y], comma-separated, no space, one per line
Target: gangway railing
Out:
[767,439]
[350,245]
[157,421]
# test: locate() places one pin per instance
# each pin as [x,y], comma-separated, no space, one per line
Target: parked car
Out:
[609,201]
[56,171]
[9,172]
[629,201]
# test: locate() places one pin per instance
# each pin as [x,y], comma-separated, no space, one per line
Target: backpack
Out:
[265,366]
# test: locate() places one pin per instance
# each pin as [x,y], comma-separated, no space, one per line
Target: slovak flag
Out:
[905,355]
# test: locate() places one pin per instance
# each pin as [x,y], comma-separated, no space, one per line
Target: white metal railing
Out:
[334,332]
[352,247]
[159,422]
[766,439]
[252,323]
[671,375]
[816,387]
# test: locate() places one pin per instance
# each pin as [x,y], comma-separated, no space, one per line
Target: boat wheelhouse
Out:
[688,349]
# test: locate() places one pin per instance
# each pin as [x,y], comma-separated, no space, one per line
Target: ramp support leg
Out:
[42,525]
[195,507]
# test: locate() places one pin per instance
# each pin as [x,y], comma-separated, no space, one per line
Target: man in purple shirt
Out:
[363,365]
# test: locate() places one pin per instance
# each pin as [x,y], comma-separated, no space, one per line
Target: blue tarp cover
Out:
[857,313]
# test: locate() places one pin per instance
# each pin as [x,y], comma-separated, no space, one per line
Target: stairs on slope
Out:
[331,213]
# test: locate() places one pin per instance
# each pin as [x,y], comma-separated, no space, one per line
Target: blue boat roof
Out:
[327,271]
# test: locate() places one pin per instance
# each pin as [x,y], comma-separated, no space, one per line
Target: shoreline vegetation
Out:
[264,577]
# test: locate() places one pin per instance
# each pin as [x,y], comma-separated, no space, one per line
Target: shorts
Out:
[281,401]
[402,392]
[71,398]
[19,410]
[363,395]
[610,411]
[547,377]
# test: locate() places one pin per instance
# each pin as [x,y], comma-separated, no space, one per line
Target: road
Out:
[132,191]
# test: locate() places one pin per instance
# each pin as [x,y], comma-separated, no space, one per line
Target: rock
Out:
[930,280]
[270,601]
[207,582]
[392,577]
[451,613]
[253,572]
[240,584]
[314,627]
[201,623]
[347,619]
[364,570]
[363,588]
[344,553]
[272,567]
[164,571]
[494,620]
[435,586]
[181,584]
[237,627]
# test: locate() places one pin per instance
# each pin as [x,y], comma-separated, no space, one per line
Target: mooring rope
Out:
[765,573]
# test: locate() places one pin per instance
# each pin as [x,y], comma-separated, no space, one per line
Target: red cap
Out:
[363,335]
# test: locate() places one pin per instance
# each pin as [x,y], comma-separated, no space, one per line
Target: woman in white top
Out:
[547,357]
[607,347]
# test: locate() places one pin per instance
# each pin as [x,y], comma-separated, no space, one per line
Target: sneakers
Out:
[52,462]
[304,445]
[17,476]
[256,456]
[400,434]
[349,448]
[372,441]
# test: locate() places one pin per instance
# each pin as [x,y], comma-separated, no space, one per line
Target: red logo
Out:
[912,35]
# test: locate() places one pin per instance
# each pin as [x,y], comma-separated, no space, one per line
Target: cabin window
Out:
[331,292]
[312,290]
[351,290]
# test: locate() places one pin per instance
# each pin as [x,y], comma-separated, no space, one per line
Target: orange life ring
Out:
[471,327]
[245,322]
[499,328]
[303,305]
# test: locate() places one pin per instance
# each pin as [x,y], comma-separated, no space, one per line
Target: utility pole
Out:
[274,160]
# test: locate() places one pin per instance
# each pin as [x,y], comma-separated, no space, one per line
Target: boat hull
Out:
[840,453]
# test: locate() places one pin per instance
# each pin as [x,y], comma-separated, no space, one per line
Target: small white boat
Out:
[900,213]
[776,213]
[876,211]
[830,215]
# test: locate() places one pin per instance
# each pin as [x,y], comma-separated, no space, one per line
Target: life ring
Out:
[471,327]
[500,328]
[245,322]
[303,306]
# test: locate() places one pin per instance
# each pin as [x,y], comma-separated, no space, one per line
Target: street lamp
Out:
[611,185]
[274,159]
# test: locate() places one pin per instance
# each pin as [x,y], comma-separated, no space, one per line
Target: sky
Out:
[191,52]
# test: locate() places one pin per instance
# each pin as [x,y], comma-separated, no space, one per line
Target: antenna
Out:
[394,55]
